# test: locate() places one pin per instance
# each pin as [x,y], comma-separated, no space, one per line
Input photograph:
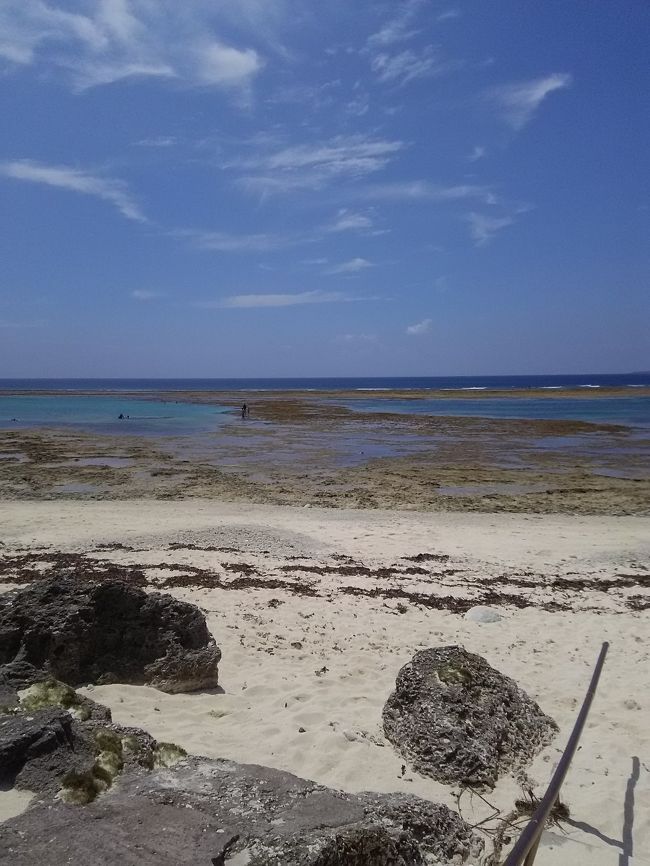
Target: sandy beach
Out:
[316,610]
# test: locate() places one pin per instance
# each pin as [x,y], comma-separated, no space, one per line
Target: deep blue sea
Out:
[149,417]
[587,380]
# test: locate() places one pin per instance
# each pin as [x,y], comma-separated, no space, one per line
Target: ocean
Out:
[167,418]
[384,383]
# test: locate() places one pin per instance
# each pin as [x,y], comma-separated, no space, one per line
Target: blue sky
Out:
[284,187]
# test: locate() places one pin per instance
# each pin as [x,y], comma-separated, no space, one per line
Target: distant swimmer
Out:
[120,417]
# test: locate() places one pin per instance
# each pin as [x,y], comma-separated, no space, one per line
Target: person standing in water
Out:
[244,411]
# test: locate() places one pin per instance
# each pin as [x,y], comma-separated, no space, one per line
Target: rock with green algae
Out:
[454,717]
[168,755]
[52,693]
[45,747]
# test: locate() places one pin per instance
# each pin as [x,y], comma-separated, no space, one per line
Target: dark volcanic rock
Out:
[455,718]
[217,812]
[80,631]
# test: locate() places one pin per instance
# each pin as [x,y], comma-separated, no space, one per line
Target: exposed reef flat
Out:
[297,449]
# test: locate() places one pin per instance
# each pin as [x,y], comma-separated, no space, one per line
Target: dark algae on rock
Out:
[454,717]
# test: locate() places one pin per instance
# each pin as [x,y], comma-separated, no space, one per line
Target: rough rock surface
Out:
[80,631]
[218,812]
[454,717]
[46,747]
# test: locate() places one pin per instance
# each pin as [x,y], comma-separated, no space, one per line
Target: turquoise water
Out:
[629,411]
[167,418]
[100,415]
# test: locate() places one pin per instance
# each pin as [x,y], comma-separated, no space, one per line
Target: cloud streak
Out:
[114,40]
[483,228]
[314,165]
[255,301]
[519,102]
[408,65]
[110,190]
[419,329]
[353,266]
[424,190]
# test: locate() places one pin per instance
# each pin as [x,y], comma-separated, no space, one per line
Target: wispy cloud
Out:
[347,220]
[14,325]
[113,40]
[519,102]
[417,330]
[353,266]
[483,228]
[231,243]
[145,295]
[289,299]
[311,166]
[423,190]
[408,65]
[356,339]
[449,15]
[111,190]
[400,27]
[157,141]
[477,153]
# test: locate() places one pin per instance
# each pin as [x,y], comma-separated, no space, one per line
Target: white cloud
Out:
[353,266]
[400,27]
[347,220]
[423,190]
[275,300]
[358,339]
[157,141]
[519,102]
[420,328]
[449,15]
[110,40]
[145,295]
[408,65]
[231,243]
[482,228]
[220,65]
[76,180]
[478,153]
[311,166]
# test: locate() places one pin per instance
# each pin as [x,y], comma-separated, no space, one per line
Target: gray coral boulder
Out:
[81,631]
[218,812]
[454,717]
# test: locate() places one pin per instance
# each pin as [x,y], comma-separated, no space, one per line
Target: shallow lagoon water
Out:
[628,411]
[101,415]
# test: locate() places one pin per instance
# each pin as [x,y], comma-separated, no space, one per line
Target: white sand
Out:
[271,688]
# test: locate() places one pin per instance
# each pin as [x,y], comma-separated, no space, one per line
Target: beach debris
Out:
[481,613]
[81,631]
[454,717]
[217,811]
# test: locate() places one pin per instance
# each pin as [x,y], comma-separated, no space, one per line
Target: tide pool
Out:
[101,415]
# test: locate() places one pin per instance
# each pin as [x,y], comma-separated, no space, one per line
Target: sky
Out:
[228,188]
